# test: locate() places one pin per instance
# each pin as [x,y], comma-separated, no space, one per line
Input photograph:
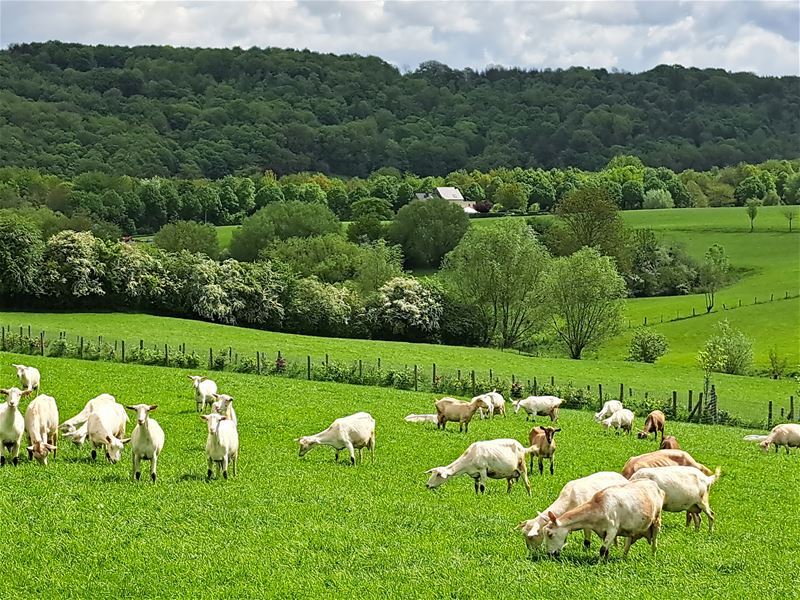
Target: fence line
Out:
[376,373]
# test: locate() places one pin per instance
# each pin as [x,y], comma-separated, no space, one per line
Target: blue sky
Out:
[761,37]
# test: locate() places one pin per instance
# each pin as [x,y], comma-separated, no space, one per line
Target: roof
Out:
[449,193]
[470,211]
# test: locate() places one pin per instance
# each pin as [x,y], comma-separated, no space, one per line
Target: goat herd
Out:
[607,503]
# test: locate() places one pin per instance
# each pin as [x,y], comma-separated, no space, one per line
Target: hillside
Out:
[369,531]
[158,110]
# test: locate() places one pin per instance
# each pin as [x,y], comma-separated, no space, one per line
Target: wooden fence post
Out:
[415,377]
[600,391]
[141,344]
[769,416]
[210,358]
[308,367]
[360,369]
[29,332]
[473,382]
[258,362]
[433,378]
[123,350]
[535,387]
[41,341]
[621,391]
[552,380]
[491,377]
[80,351]
[791,408]
[690,402]
[326,361]
[379,363]
[674,403]
[166,355]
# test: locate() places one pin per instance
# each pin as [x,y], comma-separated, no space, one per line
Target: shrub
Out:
[728,351]
[190,236]
[647,346]
[427,230]
[658,198]
[404,309]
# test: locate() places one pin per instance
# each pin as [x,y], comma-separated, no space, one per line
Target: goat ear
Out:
[204,417]
[4,392]
[552,517]
[153,407]
[430,470]
[51,447]
[26,393]
[216,396]
[126,440]
[203,378]
[556,430]
[129,407]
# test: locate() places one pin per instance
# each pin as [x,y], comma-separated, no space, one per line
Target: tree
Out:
[647,346]
[21,250]
[752,212]
[512,196]
[329,257]
[790,214]
[427,230]
[268,194]
[632,194]
[317,308]
[404,309]
[190,236]
[378,207]
[591,218]
[727,351]
[657,198]
[713,273]
[583,296]
[750,188]
[281,221]
[366,229]
[339,202]
[71,266]
[379,263]
[499,271]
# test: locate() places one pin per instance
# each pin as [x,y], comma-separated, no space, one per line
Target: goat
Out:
[450,409]
[12,424]
[354,432]
[29,377]
[539,405]
[204,390]
[222,444]
[653,424]
[669,443]
[542,445]
[662,458]
[609,408]
[41,423]
[147,439]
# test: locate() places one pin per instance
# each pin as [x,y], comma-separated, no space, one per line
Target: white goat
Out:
[539,405]
[573,494]
[29,377]
[609,408]
[496,403]
[204,390]
[223,405]
[787,435]
[685,489]
[622,419]
[493,459]
[354,432]
[41,423]
[147,439]
[105,428]
[222,444]
[71,424]
[632,510]
[102,402]
[412,418]
[12,425]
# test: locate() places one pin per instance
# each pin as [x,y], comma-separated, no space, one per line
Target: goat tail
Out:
[531,450]
[715,477]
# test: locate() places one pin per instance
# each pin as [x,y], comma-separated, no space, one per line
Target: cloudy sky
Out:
[756,36]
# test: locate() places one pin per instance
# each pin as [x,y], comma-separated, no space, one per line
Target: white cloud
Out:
[632,35]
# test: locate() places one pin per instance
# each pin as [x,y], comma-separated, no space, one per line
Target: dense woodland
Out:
[207,113]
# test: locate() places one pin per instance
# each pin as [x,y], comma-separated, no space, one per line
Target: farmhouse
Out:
[451,194]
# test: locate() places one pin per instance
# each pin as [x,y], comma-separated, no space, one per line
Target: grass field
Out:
[746,397]
[309,528]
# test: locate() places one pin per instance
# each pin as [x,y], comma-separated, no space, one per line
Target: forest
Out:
[194,113]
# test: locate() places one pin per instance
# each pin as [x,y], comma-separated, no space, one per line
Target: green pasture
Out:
[288,527]
[746,397]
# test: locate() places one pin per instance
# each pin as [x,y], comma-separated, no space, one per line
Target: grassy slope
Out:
[744,396]
[309,528]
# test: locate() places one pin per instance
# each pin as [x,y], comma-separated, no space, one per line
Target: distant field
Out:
[225,234]
[288,527]
[743,396]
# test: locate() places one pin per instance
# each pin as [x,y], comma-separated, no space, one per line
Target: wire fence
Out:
[684,405]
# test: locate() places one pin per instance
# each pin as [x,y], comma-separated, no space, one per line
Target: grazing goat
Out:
[573,494]
[101,402]
[542,445]
[412,418]
[622,419]
[669,443]
[12,425]
[662,458]
[458,411]
[204,390]
[495,402]
[147,439]
[609,408]
[41,423]
[787,435]
[222,444]
[685,489]
[29,377]
[493,459]
[632,510]
[653,424]
[354,432]
[103,428]
[70,425]
[223,405]
[539,405]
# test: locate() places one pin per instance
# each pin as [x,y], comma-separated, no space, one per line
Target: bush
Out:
[427,230]
[189,236]
[658,198]
[404,309]
[729,350]
[647,346]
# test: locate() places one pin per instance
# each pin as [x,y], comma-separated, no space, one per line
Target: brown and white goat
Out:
[458,411]
[662,458]
[542,445]
[669,443]
[653,424]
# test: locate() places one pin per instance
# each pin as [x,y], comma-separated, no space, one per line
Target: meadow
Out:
[745,397]
[310,528]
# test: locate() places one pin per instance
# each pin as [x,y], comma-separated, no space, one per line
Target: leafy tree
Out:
[772,198]
[657,198]
[190,236]
[317,308]
[339,203]
[647,346]
[21,250]
[751,188]
[377,207]
[379,263]
[71,268]
[404,309]
[405,194]
[790,214]
[632,194]
[281,221]
[513,196]
[583,295]
[366,229]
[329,257]
[427,230]
[499,271]
[728,351]
[312,193]
[268,194]
[713,273]
[752,212]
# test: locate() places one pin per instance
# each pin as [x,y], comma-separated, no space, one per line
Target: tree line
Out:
[114,205]
[159,111]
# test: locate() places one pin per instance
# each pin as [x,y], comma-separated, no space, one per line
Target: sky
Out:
[756,36]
